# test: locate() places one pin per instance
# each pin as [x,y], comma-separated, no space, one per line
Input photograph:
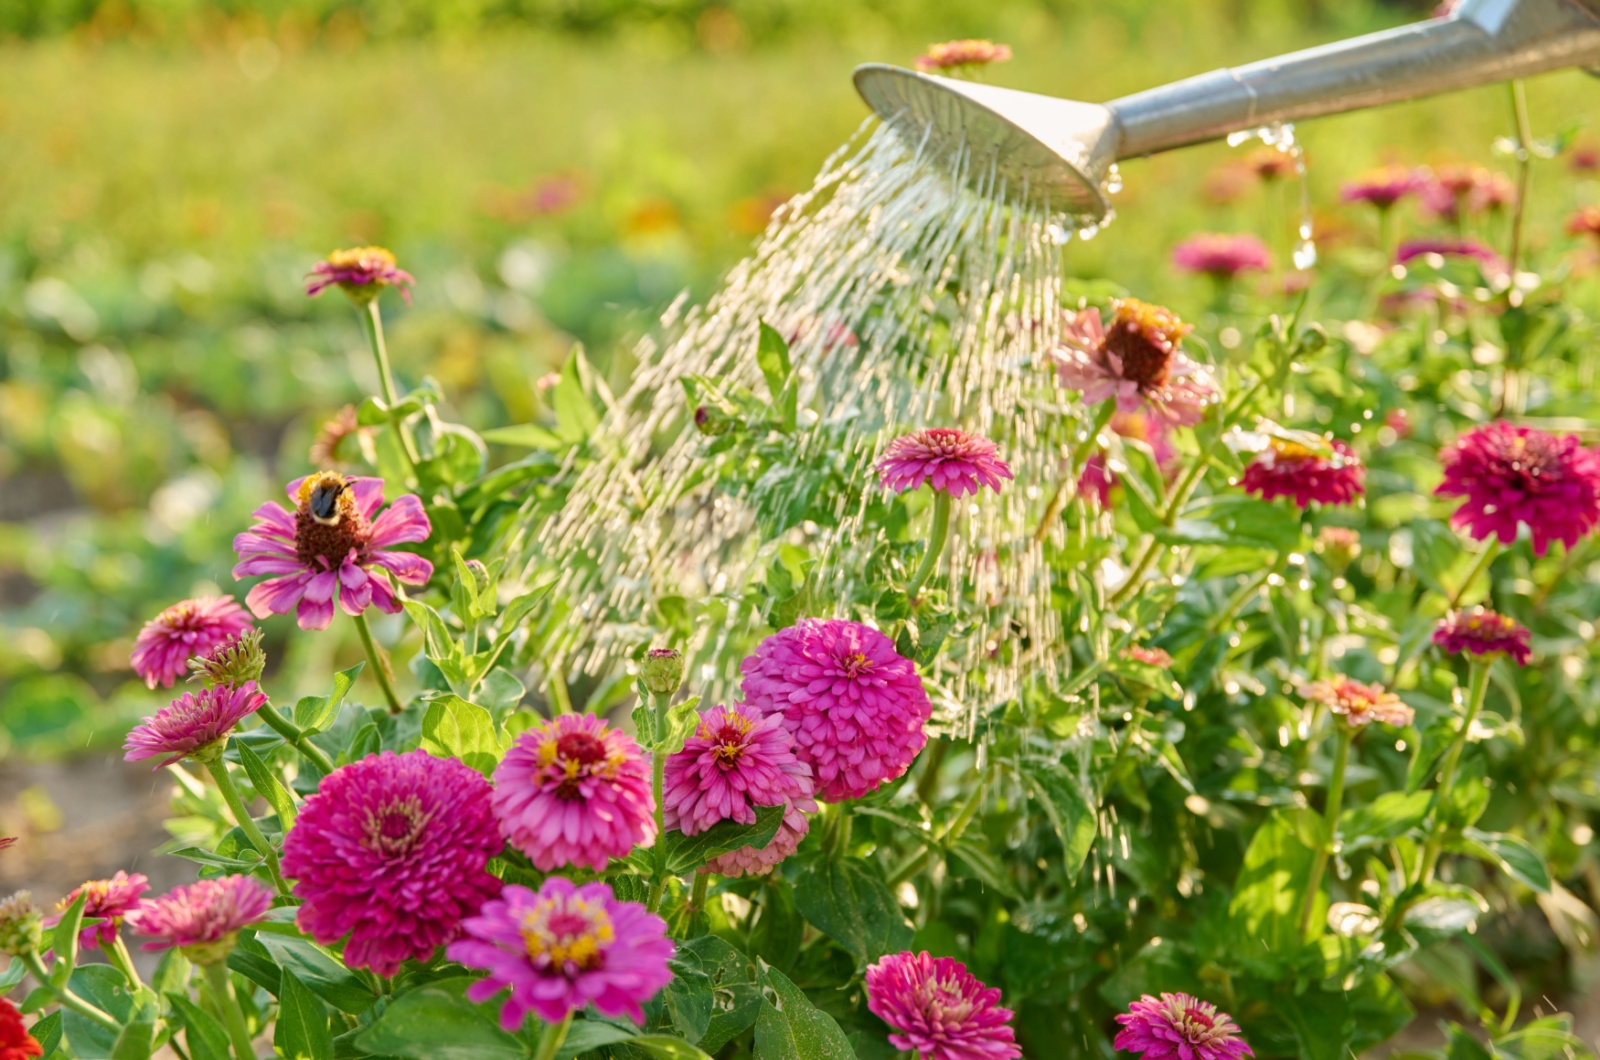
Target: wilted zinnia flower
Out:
[574,792]
[1288,469]
[1179,1027]
[562,948]
[110,900]
[329,546]
[195,725]
[163,648]
[1359,703]
[1382,187]
[1221,255]
[1512,475]
[360,272]
[1480,631]
[955,462]
[15,1041]
[202,919]
[1136,360]
[392,851]
[1435,251]
[325,448]
[953,54]
[939,1010]
[855,706]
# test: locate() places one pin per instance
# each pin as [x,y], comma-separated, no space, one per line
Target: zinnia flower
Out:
[1149,656]
[1450,190]
[15,1041]
[1096,480]
[331,545]
[735,761]
[1221,255]
[939,1010]
[1382,187]
[955,462]
[562,948]
[163,648]
[1585,222]
[202,919]
[330,439]
[1288,469]
[574,792]
[360,272]
[1479,631]
[954,54]
[1135,360]
[392,851]
[111,900]
[1359,703]
[1512,475]
[1434,251]
[855,707]
[195,725]
[1270,164]
[1179,1027]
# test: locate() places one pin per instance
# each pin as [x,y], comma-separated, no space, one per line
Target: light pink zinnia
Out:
[1137,360]
[736,760]
[574,792]
[562,948]
[1510,475]
[939,1010]
[855,706]
[1359,704]
[1382,187]
[195,725]
[1450,190]
[360,272]
[201,919]
[163,648]
[955,462]
[1222,255]
[1479,631]
[953,54]
[1179,1027]
[331,545]
[1288,469]
[110,900]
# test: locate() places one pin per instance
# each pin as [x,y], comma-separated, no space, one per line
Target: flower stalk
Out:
[216,973]
[919,861]
[380,669]
[65,996]
[551,1039]
[372,324]
[1330,819]
[296,737]
[218,769]
[1477,688]
[661,702]
[936,541]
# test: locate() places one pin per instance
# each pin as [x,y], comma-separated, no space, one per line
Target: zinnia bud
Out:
[233,662]
[712,421]
[20,925]
[662,671]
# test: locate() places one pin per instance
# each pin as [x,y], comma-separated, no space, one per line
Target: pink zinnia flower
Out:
[1179,1027]
[203,918]
[1435,251]
[1288,469]
[939,1010]
[331,545]
[1149,656]
[195,725]
[392,851]
[110,900]
[574,792]
[1512,475]
[855,707]
[1480,631]
[1382,187]
[360,272]
[1450,190]
[1135,360]
[735,761]
[1221,254]
[1358,703]
[163,648]
[953,54]
[1096,480]
[563,948]
[1585,222]
[955,462]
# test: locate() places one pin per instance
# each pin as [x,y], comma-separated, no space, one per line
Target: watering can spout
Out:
[1058,151]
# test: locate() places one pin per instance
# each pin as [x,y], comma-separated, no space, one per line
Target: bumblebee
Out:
[324,500]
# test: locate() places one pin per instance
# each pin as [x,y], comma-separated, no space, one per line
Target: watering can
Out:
[1058,151]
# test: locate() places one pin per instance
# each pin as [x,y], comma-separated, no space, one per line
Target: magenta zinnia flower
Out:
[1480,631]
[954,54]
[574,792]
[855,707]
[1136,360]
[1492,263]
[163,648]
[1288,469]
[939,1010]
[1512,475]
[195,725]
[736,760]
[331,545]
[360,272]
[1179,1027]
[1450,190]
[1382,187]
[1221,255]
[955,462]
[392,851]
[562,948]
[110,900]
[201,919]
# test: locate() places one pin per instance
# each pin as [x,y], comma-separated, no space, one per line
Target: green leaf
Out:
[984,866]
[688,997]
[454,728]
[1511,853]
[1069,810]
[1272,883]
[735,986]
[267,785]
[1444,914]
[107,989]
[314,714]
[681,721]
[205,857]
[302,1030]
[576,418]
[435,1022]
[1387,817]
[772,354]
[1435,740]
[12,975]
[585,1035]
[685,854]
[136,1042]
[523,435]
[667,1047]
[847,900]
[367,741]
[312,968]
[47,1032]
[64,940]
[790,1027]
[207,1038]
[1237,519]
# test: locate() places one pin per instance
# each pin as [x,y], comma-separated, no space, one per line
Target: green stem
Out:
[658,767]
[1067,488]
[954,831]
[936,540]
[232,1018]
[379,670]
[67,998]
[551,1039]
[289,731]
[247,824]
[1242,596]
[1330,818]
[1478,687]
[928,781]
[117,953]
[1519,111]
[1491,548]
[560,697]
[697,902]
[372,324]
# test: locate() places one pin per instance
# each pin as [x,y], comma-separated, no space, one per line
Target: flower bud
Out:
[1339,546]
[480,574]
[20,925]
[662,670]
[233,662]
[712,421]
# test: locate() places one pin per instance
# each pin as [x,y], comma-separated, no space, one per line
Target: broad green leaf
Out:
[47,1032]
[1239,520]
[685,854]
[436,1022]
[205,857]
[847,900]
[681,721]
[523,435]
[267,785]
[772,354]
[1390,815]
[1069,811]
[367,741]
[12,975]
[688,997]
[1272,882]
[1511,853]
[106,988]
[790,1027]
[136,1042]
[984,866]
[666,1047]
[207,1038]
[314,714]
[302,1029]
[1445,914]
[585,1035]
[736,990]
[454,728]
[576,418]
[314,970]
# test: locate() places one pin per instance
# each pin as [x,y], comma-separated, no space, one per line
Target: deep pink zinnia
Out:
[360,272]
[1179,1027]
[110,900]
[1288,469]
[562,948]
[1512,475]
[202,918]
[855,707]
[1137,360]
[737,760]
[195,725]
[1222,255]
[574,792]
[392,851]
[1480,631]
[955,462]
[1382,187]
[331,545]
[1470,249]
[939,1010]
[163,648]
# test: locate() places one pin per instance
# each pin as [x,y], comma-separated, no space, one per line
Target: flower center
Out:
[577,753]
[944,1003]
[1196,1025]
[567,931]
[580,747]
[1144,336]
[394,830]
[327,523]
[856,665]
[1287,450]
[1531,458]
